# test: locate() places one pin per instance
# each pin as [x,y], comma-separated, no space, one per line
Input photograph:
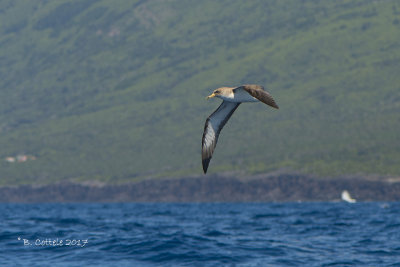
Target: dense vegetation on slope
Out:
[115,90]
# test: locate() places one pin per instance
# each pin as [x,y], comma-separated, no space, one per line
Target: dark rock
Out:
[283,187]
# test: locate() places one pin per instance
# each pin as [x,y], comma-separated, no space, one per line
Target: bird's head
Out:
[220,92]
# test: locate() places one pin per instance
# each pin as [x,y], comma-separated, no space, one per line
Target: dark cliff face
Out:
[209,189]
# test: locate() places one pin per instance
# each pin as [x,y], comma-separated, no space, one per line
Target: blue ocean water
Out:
[219,234]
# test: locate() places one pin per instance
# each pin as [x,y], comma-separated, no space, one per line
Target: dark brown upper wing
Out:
[214,124]
[258,92]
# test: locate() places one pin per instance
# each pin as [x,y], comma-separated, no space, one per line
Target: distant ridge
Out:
[94,90]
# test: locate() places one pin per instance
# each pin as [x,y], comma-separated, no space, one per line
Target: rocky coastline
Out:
[275,188]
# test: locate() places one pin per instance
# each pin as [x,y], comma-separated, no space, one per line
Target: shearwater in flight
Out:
[232,97]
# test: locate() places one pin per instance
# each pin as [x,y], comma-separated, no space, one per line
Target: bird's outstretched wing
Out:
[258,92]
[214,124]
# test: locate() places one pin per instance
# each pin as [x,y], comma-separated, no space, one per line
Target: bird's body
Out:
[232,97]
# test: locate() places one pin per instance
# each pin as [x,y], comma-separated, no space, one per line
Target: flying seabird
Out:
[232,97]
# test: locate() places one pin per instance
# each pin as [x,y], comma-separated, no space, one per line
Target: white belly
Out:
[239,96]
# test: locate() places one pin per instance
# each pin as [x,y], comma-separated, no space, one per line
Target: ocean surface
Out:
[221,234]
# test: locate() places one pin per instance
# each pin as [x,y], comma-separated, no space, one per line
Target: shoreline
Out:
[262,188]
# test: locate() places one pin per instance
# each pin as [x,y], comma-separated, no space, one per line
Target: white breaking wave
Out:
[346,197]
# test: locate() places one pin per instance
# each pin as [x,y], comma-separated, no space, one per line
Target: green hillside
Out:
[115,90]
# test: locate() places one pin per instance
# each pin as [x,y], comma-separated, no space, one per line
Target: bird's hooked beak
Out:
[210,96]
